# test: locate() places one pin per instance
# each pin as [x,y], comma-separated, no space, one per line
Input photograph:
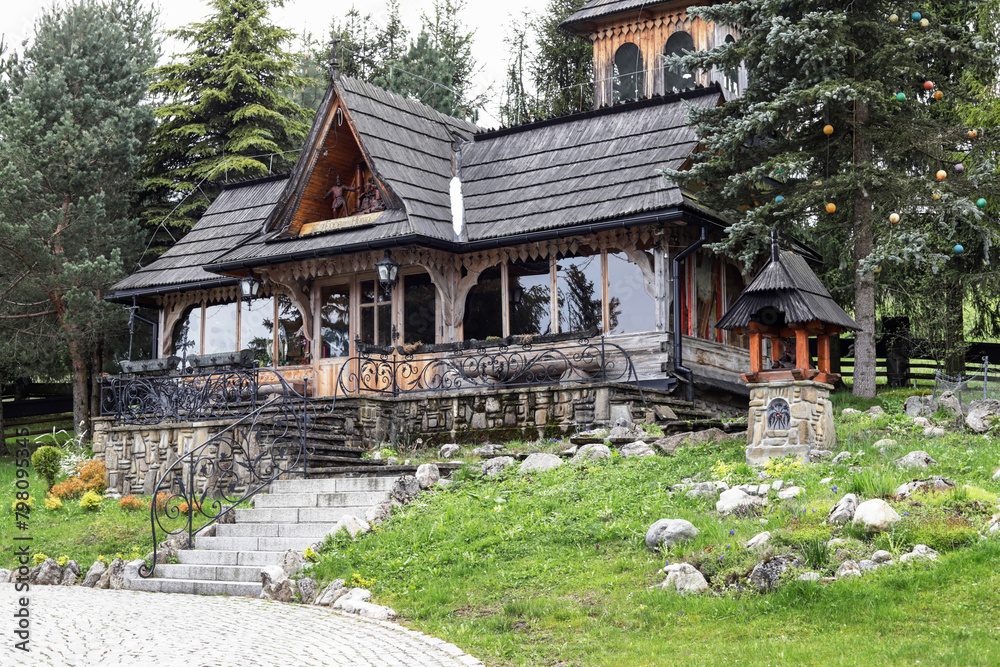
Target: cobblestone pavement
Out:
[82,627]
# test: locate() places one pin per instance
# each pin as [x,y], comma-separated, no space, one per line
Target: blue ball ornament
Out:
[958,249]
[915,16]
[779,199]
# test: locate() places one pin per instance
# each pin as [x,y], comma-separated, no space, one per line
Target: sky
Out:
[488,19]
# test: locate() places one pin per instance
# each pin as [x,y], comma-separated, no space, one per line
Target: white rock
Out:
[916,459]
[848,569]
[826,480]
[996,476]
[352,524]
[759,540]
[592,452]
[841,457]
[983,414]
[934,432]
[376,514]
[734,499]
[427,475]
[331,594]
[494,467]
[355,602]
[867,565]
[875,514]
[449,451]
[721,486]
[884,442]
[809,576]
[875,410]
[703,490]
[684,578]
[850,411]
[923,422]
[844,510]
[790,492]
[637,448]
[920,552]
[763,490]
[776,485]
[665,533]
[292,562]
[881,556]
[540,462]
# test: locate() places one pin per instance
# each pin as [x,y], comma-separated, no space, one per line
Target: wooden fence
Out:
[36,408]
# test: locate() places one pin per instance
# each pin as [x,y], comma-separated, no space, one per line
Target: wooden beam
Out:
[755,352]
[802,349]
[823,353]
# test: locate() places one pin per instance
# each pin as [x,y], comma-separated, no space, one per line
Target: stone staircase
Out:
[296,514]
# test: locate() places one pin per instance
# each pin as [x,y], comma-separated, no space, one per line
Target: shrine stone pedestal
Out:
[788,417]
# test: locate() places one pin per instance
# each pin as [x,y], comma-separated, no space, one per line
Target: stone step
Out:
[333,485]
[198,587]
[244,573]
[336,499]
[314,530]
[379,468]
[254,543]
[294,515]
[256,559]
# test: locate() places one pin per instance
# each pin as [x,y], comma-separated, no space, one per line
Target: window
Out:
[732,73]
[187,333]
[376,314]
[484,306]
[257,330]
[677,77]
[335,329]
[579,291]
[419,308]
[293,347]
[220,327]
[629,74]
[630,308]
[530,297]
[734,287]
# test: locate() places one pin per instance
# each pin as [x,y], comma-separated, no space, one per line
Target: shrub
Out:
[62,560]
[184,507]
[160,502]
[52,503]
[71,488]
[779,468]
[310,555]
[131,503]
[39,558]
[30,502]
[90,501]
[45,460]
[92,474]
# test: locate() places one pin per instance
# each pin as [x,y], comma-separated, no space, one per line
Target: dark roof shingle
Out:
[596,9]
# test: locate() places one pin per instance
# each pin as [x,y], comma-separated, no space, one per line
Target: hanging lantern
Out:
[973,134]
[893,18]
[388,272]
[894,218]
[250,287]
[958,249]
[928,85]
[900,97]
[959,168]
[981,203]
[938,95]
[942,174]
[828,130]
[831,208]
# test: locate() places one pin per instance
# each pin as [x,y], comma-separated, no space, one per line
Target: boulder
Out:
[884,443]
[540,462]
[591,452]
[352,524]
[875,410]
[922,422]
[809,576]
[759,540]
[620,433]
[292,562]
[670,444]
[683,578]
[428,475]
[355,602]
[934,483]
[820,454]
[449,451]
[875,515]
[704,490]
[113,577]
[130,574]
[489,450]
[94,574]
[920,405]
[916,459]
[790,492]
[331,593]
[920,552]
[376,514]
[494,467]
[934,432]
[47,573]
[637,448]
[405,489]
[844,510]
[275,584]
[848,569]
[867,565]
[308,589]
[950,403]
[840,458]
[850,411]
[767,573]
[71,574]
[983,414]
[881,556]
[737,500]
[665,533]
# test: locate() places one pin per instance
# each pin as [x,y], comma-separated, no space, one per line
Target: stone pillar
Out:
[788,417]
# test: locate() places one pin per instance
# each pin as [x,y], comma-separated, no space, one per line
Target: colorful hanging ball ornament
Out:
[877,270]
[779,199]
[900,96]
[831,208]
[924,23]
[981,203]
[958,249]
[973,134]
[893,18]
[828,130]
[915,16]
[959,168]
[938,95]
[942,174]
[928,85]
[936,195]
[817,184]
[894,218]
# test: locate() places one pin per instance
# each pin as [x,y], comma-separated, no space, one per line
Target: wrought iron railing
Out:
[511,362]
[147,399]
[235,464]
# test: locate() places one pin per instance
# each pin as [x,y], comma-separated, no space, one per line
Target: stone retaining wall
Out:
[809,420]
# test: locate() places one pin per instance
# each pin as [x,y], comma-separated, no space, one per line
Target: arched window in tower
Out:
[630,76]
[675,76]
[732,73]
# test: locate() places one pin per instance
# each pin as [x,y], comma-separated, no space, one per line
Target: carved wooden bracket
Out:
[297,293]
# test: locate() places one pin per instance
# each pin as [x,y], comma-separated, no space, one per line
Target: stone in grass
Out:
[809,576]
[848,569]
[996,476]
[71,574]
[449,451]
[356,602]
[540,462]
[488,450]
[820,454]
[916,459]
[920,552]
[983,414]
[352,524]
[47,574]
[637,448]
[703,490]
[934,432]
[766,574]
[683,578]
[405,489]
[840,458]
[759,540]
[331,593]
[737,500]
[494,467]
[592,452]
[875,515]
[844,510]
[94,573]
[308,589]
[875,410]
[665,533]
[427,475]
[881,556]
[376,514]
[950,403]
[884,443]
[867,565]
[790,492]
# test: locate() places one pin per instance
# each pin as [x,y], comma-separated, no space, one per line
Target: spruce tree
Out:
[225,114]
[73,123]
[517,105]
[837,132]
[563,69]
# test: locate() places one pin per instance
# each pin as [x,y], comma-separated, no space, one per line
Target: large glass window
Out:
[293,347]
[629,75]
[630,308]
[677,77]
[257,330]
[187,333]
[376,314]
[484,307]
[419,308]
[530,294]
[579,291]
[220,327]
[335,329]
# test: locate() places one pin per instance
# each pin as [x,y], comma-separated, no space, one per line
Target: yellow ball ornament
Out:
[942,174]
[817,184]
[831,208]
[924,23]
[828,130]
[893,18]
[894,218]
[936,195]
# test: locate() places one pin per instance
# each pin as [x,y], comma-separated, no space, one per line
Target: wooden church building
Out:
[563,226]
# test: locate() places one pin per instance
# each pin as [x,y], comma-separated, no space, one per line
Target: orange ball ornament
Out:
[894,218]
[831,208]
[942,174]
[973,134]
[828,130]
[938,95]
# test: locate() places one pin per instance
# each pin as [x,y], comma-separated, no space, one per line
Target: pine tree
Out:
[517,106]
[563,70]
[73,125]
[859,69]
[225,116]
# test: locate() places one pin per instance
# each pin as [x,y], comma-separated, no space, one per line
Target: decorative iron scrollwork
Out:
[149,399]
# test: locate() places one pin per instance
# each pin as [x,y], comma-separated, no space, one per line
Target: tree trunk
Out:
[81,409]
[864,283]
[954,325]
[96,365]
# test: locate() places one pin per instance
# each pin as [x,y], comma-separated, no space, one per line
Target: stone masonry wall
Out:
[810,423]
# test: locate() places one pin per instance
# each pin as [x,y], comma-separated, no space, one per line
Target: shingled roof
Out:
[596,9]
[789,285]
